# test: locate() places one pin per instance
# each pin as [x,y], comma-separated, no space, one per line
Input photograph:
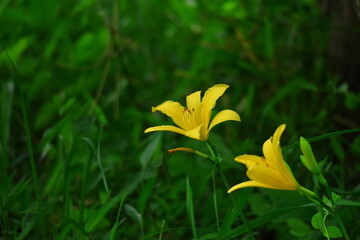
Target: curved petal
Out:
[276,137]
[209,100]
[166,128]
[224,115]
[281,165]
[276,140]
[250,160]
[271,177]
[288,174]
[195,133]
[269,155]
[248,184]
[193,104]
[172,109]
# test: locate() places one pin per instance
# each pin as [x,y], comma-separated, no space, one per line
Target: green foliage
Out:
[78,79]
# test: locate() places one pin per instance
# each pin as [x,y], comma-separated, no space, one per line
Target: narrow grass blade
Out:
[324,136]
[161,229]
[134,214]
[85,180]
[100,213]
[6,100]
[99,162]
[145,195]
[117,223]
[190,207]
[260,221]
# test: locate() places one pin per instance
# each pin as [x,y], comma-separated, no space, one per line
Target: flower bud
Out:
[308,159]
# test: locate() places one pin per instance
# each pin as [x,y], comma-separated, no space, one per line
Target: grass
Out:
[78,83]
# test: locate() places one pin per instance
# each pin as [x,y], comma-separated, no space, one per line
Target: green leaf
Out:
[145,194]
[6,102]
[134,214]
[298,228]
[259,221]
[190,207]
[335,197]
[345,202]
[100,213]
[333,232]
[117,222]
[259,205]
[324,136]
[148,153]
[317,221]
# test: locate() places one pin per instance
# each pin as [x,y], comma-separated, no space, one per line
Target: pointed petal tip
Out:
[224,115]
[222,85]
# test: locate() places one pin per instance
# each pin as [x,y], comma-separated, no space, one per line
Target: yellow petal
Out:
[276,140]
[281,165]
[193,104]
[268,152]
[276,137]
[209,101]
[250,160]
[195,133]
[224,115]
[172,109]
[248,184]
[166,128]
[270,177]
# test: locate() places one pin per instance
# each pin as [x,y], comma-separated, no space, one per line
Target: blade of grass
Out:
[27,132]
[117,223]
[94,220]
[66,226]
[99,162]
[134,214]
[85,180]
[260,221]
[324,136]
[161,229]
[190,207]
[151,235]
[7,94]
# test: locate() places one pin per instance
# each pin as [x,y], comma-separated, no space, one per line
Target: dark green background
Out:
[81,77]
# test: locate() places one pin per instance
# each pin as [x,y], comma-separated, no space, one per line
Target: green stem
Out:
[341,225]
[226,183]
[30,149]
[236,204]
[215,201]
[324,225]
[314,198]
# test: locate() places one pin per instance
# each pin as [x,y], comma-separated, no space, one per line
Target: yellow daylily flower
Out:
[194,120]
[269,171]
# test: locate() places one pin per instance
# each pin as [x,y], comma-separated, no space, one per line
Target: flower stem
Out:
[341,225]
[226,183]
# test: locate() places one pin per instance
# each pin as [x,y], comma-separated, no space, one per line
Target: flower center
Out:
[189,118]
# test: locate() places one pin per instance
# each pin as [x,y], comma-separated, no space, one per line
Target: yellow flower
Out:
[194,120]
[269,171]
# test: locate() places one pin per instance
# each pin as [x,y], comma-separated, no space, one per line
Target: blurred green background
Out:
[79,78]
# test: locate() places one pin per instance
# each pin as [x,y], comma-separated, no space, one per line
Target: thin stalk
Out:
[314,198]
[215,202]
[238,208]
[341,225]
[324,225]
[226,183]
[31,152]
[86,172]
